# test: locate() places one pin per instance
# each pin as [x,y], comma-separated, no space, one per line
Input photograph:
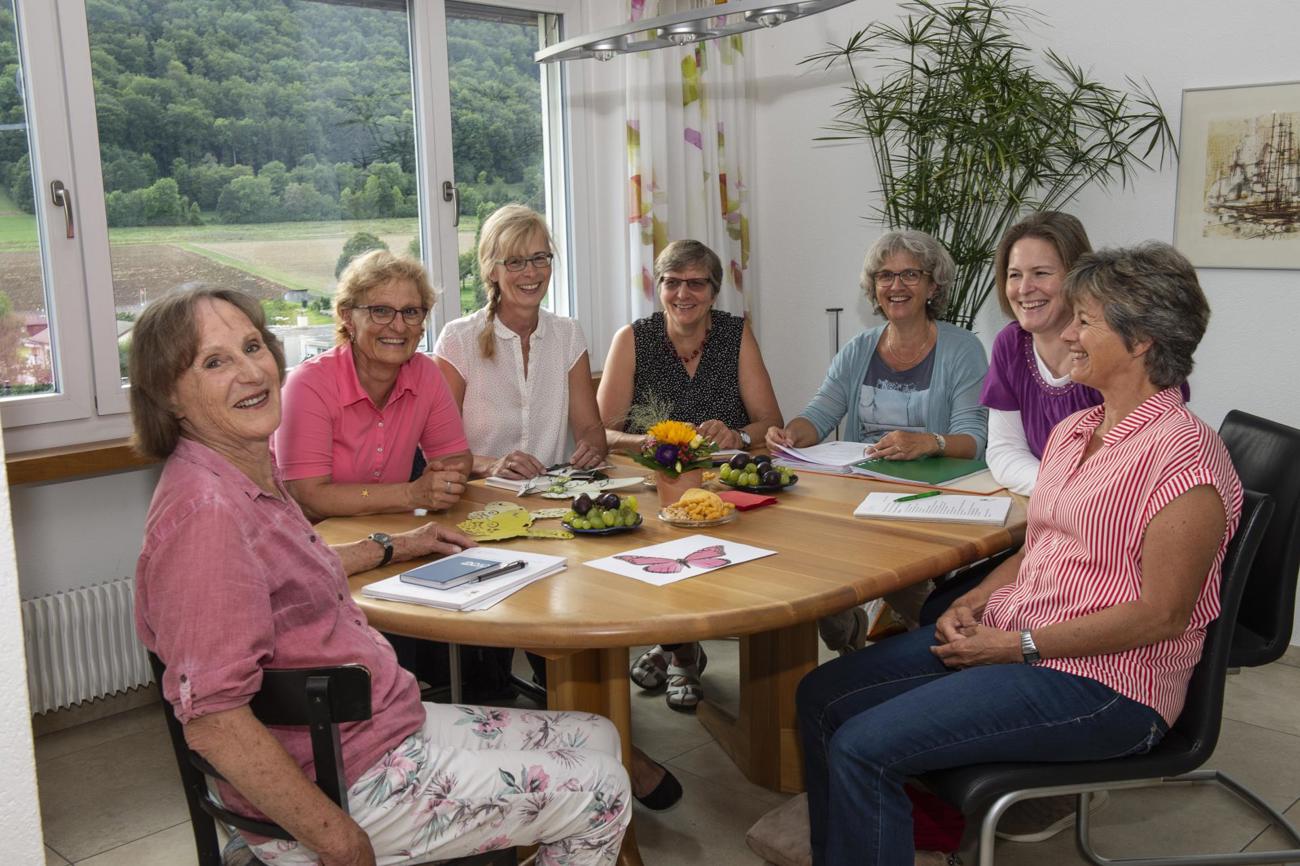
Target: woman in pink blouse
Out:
[353,416]
[1080,646]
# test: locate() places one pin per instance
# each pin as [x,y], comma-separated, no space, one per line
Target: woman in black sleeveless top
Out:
[695,364]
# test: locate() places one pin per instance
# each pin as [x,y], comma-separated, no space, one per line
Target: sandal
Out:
[650,670]
[684,690]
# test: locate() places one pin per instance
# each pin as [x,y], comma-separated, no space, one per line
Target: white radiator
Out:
[81,645]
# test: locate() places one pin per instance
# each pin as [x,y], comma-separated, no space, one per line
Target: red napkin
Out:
[745,501]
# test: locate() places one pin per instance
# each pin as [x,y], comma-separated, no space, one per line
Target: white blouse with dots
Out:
[503,409]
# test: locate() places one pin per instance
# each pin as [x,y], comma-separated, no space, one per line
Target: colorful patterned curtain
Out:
[689,152]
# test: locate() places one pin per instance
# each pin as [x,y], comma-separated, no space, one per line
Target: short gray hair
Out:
[920,246]
[1147,292]
[683,254]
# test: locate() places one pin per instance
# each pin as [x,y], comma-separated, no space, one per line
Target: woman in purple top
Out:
[1028,388]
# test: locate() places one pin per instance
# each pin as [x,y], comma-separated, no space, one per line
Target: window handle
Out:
[452,194]
[62,197]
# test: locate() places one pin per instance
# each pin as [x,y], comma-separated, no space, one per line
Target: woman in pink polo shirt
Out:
[353,416]
[1080,645]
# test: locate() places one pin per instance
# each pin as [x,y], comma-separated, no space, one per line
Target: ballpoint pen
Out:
[926,495]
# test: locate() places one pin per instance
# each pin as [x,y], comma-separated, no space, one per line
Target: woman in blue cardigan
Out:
[909,388]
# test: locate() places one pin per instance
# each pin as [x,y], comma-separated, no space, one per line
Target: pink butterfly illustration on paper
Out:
[705,557]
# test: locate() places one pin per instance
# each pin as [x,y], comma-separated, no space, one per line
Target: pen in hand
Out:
[913,497]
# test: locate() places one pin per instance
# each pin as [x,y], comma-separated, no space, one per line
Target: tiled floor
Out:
[110,795]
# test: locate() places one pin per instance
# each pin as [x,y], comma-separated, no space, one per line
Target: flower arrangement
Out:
[673,447]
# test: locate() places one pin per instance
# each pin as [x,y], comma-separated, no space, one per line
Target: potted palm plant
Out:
[969,130]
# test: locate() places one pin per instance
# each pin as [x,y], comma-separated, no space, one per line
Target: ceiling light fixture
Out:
[683,28]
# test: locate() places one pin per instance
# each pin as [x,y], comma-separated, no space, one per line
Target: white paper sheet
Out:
[675,560]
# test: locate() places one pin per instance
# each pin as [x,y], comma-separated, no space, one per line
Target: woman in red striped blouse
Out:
[1080,646]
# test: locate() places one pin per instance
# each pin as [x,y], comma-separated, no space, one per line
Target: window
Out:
[256,144]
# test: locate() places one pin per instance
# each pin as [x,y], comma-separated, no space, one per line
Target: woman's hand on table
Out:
[439,488]
[979,645]
[717,432]
[902,445]
[429,539]
[586,456]
[779,436]
[517,464]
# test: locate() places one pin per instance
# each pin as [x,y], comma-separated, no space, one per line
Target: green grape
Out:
[582,523]
[751,467]
[594,518]
[725,473]
[630,502]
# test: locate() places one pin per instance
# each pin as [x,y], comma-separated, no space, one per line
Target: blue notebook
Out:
[457,570]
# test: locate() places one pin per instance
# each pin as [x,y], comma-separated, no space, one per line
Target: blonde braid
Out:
[487,338]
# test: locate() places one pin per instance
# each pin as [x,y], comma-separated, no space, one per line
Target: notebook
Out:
[944,508]
[932,471]
[479,595]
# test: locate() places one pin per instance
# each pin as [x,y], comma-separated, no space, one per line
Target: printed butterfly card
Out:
[675,560]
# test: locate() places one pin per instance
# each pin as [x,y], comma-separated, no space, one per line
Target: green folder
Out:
[934,471]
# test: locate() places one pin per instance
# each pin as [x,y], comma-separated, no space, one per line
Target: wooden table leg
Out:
[763,738]
[596,681]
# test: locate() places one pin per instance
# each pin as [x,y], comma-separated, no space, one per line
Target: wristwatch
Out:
[1028,649]
[943,443]
[744,438]
[386,540]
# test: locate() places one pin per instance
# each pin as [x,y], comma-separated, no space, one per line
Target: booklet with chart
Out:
[943,508]
[478,595]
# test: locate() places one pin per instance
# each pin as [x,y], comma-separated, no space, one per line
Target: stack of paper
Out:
[945,508]
[826,457]
[472,596]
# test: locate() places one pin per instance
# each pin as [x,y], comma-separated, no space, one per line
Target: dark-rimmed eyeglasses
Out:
[910,277]
[695,284]
[515,264]
[382,314]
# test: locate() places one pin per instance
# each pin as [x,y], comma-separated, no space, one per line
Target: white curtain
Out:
[690,155]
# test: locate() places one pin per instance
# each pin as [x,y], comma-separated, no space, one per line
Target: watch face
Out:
[381,537]
[744,438]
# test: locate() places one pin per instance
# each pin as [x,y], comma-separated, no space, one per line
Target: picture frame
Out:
[1238,200]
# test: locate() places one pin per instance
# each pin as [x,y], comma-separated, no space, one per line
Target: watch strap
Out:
[387,543]
[1028,649]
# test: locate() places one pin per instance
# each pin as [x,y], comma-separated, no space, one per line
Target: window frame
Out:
[92,403]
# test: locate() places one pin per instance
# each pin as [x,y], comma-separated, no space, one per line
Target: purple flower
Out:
[666,455]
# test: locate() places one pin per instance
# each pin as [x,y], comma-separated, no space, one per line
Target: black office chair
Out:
[987,790]
[1267,457]
[320,698]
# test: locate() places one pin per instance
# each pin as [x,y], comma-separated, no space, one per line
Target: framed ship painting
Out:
[1239,177]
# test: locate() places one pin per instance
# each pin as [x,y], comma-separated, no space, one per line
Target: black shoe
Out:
[665,795]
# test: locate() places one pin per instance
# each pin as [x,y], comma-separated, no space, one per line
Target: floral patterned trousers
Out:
[477,779]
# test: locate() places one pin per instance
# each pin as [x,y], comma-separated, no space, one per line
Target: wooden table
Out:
[583,620]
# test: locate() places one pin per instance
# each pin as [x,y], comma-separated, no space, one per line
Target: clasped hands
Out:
[964,642]
[439,488]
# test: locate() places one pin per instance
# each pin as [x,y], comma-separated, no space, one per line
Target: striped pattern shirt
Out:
[1087,522]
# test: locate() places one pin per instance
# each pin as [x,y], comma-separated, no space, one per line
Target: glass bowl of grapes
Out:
[605,514]
[757,473]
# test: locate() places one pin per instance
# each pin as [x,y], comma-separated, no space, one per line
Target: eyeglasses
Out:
[515,264]
[910,277]
[696,284]
[382,314]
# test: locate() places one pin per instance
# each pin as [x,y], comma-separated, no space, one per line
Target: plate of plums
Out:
[757,473]
[605,514]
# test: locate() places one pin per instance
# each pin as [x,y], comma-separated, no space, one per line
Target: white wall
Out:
[20,816]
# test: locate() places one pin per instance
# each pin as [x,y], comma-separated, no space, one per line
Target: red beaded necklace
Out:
[686,359]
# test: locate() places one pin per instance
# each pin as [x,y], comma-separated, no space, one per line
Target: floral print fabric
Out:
[476,779]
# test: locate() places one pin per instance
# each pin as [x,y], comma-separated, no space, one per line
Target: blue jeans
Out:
[871,719]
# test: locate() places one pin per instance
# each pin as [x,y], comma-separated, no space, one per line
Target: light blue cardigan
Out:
[953,404]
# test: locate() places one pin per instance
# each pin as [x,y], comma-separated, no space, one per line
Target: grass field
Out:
[276,257]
